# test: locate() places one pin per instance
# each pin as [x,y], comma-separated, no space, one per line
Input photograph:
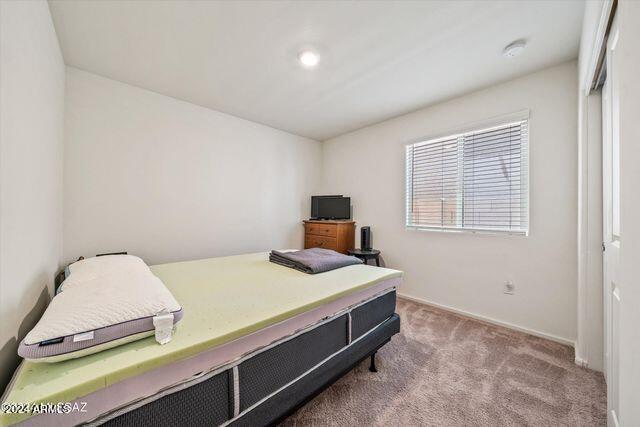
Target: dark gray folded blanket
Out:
[314,260]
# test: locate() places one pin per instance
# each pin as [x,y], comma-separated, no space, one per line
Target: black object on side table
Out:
[366,255]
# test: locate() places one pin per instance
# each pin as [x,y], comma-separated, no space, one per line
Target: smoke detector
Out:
[514,49]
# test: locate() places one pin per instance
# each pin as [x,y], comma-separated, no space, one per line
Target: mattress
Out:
[233,394]
[232,305]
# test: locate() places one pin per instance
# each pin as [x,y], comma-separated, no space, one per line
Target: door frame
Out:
[589,340]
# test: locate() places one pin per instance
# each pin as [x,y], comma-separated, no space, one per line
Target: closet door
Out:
[613,289]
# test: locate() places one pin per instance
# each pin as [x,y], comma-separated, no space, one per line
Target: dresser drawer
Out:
[320,242]
[318,229]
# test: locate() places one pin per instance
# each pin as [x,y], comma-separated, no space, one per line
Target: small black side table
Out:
[366,255]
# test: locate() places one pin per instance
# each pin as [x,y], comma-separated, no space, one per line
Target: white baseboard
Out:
[508,325]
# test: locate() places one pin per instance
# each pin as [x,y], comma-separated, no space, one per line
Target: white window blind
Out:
[470,181]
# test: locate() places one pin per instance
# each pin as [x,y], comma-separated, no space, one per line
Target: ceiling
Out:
[379,59]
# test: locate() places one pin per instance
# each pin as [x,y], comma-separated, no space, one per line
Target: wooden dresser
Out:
[337,235]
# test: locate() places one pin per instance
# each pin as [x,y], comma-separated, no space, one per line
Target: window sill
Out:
[455,230]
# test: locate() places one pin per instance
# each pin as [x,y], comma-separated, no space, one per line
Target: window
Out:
[473,181]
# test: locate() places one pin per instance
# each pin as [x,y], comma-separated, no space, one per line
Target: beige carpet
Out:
[449,370]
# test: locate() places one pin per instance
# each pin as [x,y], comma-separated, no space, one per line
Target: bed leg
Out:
[372,366]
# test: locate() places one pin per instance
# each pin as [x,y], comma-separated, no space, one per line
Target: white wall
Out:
[467,271]
[32,79]
[628,16]
[168,180]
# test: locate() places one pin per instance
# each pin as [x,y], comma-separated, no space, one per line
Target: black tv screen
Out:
[330,207]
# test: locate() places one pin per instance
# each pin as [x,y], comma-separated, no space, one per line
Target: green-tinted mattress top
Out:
[223,299]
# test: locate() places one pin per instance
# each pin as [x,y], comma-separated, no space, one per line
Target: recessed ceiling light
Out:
[514,49]
[308,58]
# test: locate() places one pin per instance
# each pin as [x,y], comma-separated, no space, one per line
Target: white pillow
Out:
[104,302]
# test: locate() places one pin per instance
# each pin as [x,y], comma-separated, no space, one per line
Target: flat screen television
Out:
[330,207]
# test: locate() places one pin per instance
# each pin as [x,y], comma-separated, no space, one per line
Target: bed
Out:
[257,341]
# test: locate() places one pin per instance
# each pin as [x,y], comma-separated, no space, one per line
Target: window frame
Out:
[498,121]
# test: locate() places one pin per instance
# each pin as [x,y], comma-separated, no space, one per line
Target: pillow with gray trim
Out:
[104,302]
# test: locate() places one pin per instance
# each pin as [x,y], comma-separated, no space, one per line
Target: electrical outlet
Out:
[509,287]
